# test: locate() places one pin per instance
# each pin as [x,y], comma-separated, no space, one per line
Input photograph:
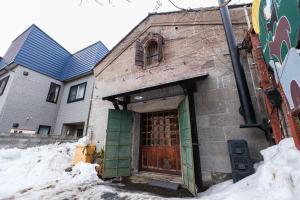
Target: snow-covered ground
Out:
[39,173]
[276,178]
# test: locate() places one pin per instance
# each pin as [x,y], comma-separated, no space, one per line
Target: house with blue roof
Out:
[45,89]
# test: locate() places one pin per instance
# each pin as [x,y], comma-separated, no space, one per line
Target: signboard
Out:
[279,22]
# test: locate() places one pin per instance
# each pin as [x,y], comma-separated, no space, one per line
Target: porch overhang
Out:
[113,98]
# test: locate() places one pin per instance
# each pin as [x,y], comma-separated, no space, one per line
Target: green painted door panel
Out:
[187,160]
[117,156]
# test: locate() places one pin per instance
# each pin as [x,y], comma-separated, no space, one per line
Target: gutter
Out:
[6,68]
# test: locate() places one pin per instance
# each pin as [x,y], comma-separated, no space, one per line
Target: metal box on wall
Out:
[241,162]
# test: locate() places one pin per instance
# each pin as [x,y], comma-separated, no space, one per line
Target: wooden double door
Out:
[166,144]
[160,143]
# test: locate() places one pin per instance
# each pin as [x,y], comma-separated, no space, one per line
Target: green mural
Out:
[279,22]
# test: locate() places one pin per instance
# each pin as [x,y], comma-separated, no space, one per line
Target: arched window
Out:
[151,52]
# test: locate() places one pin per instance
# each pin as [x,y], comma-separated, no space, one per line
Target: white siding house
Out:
[44,89]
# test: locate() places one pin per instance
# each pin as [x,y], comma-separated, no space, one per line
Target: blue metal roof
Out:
[36,50]
[84,61]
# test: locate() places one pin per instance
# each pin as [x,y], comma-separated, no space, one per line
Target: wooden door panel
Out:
[161,159]
[186,147]
[117,156]
[160,148]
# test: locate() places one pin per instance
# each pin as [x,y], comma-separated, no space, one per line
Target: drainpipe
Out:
[239,74]
[89,112]
[246,109]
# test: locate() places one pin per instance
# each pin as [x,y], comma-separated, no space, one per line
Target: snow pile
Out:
[84,172]
[277,178]
[40,167]
[84,141]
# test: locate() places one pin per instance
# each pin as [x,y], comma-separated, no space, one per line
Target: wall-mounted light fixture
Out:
[138,97]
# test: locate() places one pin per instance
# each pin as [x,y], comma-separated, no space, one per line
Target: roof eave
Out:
[78,77]
[7,68]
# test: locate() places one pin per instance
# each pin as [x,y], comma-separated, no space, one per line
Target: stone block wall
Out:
[195,44]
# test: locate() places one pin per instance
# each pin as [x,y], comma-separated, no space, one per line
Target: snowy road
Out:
[98,190]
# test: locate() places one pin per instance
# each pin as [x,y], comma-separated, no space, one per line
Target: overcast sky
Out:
[76,26]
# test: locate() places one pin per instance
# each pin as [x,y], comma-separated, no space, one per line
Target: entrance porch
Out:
[154,132]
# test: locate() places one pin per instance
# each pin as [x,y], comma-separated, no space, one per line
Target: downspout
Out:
[88,119]
[246,109]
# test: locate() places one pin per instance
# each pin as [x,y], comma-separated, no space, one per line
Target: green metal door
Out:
[187,160]
[117,156]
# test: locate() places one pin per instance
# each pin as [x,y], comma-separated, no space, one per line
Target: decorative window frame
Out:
[141,50]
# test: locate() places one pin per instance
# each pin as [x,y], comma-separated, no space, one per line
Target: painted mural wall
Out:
[277,23]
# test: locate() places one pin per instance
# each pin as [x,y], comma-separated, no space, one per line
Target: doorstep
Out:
[146,177]
[140,182]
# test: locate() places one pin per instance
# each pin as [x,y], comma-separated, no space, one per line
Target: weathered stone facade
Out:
[195,44]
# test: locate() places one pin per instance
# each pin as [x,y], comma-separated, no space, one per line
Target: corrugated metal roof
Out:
[84,61]
[36,50]
[41,53]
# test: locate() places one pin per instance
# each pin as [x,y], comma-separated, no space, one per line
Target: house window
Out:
[53,93]
[77,92]
[44,130]
[3,83]
[151,53]
[80,132]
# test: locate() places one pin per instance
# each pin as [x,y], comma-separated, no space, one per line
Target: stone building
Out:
[165,99]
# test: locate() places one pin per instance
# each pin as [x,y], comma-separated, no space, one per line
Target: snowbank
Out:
[277,178]
[84,141]
[40,167]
